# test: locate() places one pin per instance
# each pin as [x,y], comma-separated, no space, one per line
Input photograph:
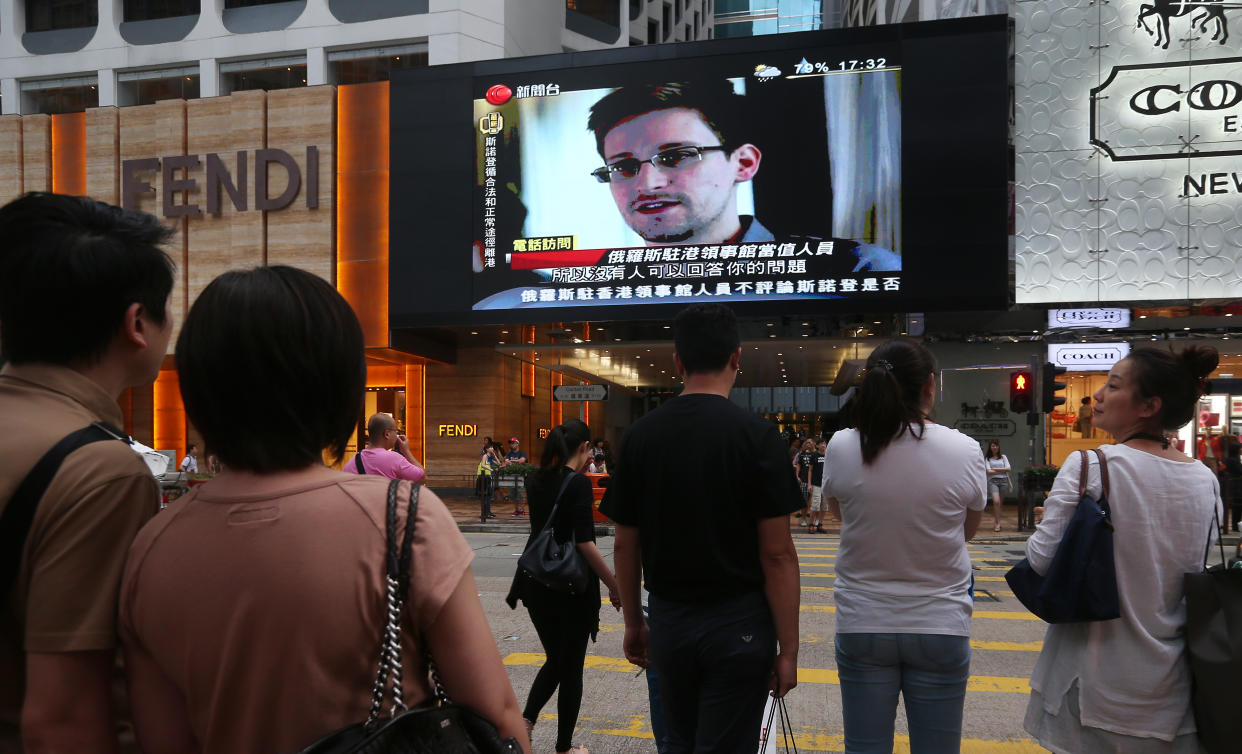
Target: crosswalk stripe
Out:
[988,683]
[806,738]
[989,614]
[978,589]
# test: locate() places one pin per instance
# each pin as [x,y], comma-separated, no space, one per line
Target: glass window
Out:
[266,78]
[147,10]
[47,15]
[56,100]
[350,67]
[248,3]
[148,87]
[604,11]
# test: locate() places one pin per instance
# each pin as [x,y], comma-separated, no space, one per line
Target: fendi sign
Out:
[134,182]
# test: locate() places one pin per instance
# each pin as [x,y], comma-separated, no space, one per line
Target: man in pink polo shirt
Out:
[387,453]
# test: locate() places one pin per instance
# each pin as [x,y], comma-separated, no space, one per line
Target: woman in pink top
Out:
[251,610]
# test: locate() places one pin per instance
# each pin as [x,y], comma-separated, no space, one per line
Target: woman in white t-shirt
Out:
[1124,684]
[909,494]
[998,479]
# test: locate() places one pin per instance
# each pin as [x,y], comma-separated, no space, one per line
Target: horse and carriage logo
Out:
[1201,12]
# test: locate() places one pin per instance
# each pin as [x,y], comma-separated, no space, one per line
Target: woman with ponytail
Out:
[909,494]
[1124,684]
[563,622]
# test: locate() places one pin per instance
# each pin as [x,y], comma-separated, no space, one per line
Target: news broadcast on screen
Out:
[746,172]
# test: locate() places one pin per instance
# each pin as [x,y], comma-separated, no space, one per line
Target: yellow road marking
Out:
[989,614]
[990,683]
[1007,646]
[806,738]
[818,575]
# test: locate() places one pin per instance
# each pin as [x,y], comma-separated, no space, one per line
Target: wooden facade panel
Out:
[103,151]
[232,128]
[69,153]
[362,205]
[474,384]
[300,235]
[36,152]
[10,158]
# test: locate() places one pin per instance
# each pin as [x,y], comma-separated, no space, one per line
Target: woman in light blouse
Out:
[1123,685]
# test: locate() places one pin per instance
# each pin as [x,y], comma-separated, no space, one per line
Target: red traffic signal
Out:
[1021,392]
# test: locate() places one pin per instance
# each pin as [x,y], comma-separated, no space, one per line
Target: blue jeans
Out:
[929,670]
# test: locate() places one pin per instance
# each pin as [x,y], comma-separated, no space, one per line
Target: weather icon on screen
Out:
[766,72]
[499,94]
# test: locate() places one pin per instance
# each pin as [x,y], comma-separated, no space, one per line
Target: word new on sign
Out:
[218,177]
[580,393]
[458,430]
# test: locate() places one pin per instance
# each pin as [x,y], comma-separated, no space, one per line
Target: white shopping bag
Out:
[769,728]
[775,726]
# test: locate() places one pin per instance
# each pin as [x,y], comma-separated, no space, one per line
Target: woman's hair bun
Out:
[1200,361]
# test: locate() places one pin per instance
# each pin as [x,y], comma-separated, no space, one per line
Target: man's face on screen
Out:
[694,202]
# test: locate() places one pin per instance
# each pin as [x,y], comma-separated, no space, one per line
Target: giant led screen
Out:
[755,172]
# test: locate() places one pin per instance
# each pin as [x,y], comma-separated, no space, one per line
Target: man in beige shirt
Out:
[84,314]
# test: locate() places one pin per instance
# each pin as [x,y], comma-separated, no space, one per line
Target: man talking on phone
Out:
[387,452]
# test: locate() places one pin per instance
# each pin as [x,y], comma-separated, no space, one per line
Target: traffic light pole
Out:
[1032,416]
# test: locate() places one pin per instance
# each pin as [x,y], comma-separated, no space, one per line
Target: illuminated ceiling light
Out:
[474,332]
[504,332]
[1142,316]
[772,335]
[502,342]
[1228,314]
[1185,328]
[616,340]
[806,335]
[668,327]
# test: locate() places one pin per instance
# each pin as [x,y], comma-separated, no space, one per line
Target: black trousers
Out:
[714,663]
[565,643]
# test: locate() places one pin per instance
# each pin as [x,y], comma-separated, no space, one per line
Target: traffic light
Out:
[1048,386]
[1020,392]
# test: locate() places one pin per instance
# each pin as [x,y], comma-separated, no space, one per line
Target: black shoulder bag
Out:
[1214,646]
[20,510]
[1081,582]
[443,727]
[556,565]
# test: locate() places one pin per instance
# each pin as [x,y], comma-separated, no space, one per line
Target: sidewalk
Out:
[464,506]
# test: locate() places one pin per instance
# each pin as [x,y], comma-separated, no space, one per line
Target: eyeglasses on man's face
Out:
[628,167]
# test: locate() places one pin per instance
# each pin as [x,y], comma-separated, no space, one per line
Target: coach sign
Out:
[1087,357]
[217,177]
[1129,131]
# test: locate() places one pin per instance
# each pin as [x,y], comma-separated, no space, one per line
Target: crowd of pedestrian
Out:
[249,612]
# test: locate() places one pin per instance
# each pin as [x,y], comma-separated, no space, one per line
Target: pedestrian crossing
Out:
[1006,638]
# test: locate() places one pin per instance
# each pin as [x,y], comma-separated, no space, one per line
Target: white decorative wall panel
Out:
[1129,180]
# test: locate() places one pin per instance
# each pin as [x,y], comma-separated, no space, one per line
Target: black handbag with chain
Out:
[443,727]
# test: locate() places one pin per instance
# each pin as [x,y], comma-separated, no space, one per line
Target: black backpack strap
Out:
[19,511]
[358,462]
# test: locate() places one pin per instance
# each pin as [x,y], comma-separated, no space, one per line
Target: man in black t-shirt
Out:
[818,502]
[706,524]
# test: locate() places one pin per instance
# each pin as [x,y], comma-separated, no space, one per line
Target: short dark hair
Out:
[192,446]
[889,398]
[705,336]
[69,268]
[715,100]
[1177,379]
[272,369]
[1086,400]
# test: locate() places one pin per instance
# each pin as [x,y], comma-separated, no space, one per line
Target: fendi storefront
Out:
[297,177]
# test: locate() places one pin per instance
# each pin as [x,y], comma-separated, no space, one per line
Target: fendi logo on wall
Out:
[134,182]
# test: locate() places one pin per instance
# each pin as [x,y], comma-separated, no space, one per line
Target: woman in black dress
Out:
[564,622]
